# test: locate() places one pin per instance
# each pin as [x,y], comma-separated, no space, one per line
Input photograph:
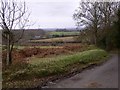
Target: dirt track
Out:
[104,76]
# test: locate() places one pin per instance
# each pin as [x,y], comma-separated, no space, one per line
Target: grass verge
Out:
[38,70]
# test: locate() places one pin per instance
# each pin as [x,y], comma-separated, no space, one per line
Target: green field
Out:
[63,33]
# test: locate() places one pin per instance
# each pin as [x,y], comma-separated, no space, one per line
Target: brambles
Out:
[24,54]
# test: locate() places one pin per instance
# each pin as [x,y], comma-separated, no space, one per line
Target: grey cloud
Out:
[53,14]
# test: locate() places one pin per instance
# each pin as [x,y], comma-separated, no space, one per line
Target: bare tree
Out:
[88,14]
[108,13]
[97,16]
[13,15]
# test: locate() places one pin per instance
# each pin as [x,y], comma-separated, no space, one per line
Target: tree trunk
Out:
[11,49]
[95,33]
[95,40]
[8,50]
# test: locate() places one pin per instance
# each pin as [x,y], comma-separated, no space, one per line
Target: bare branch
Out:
[12,15]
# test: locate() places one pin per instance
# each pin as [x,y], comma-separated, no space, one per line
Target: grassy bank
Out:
[32,73]
[57,65]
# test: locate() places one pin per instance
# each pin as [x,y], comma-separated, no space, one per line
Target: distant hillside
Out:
[27,35]
[32,33]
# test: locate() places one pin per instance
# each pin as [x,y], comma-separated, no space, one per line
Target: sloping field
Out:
[60,39]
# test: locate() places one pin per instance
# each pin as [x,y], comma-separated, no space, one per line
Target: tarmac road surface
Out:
[104,76]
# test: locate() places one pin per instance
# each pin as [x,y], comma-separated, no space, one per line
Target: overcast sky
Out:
[52,13]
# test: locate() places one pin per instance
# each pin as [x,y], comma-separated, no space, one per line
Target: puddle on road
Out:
[93,85]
